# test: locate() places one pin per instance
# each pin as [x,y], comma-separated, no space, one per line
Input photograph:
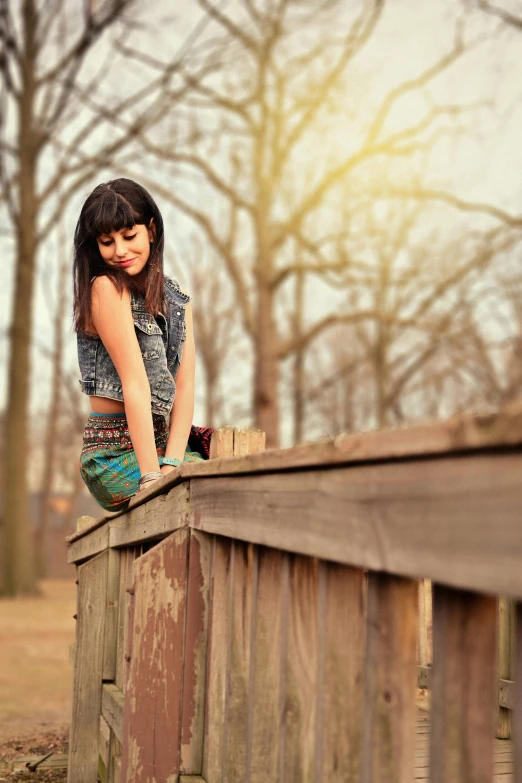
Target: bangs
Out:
[110,212]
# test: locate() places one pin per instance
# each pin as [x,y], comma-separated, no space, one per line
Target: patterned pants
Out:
[108,464]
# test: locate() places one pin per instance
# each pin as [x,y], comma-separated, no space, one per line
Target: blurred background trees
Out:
[340,200]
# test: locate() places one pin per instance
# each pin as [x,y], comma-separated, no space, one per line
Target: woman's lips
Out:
[128,262]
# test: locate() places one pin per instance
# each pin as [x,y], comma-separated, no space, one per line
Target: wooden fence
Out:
[255,618]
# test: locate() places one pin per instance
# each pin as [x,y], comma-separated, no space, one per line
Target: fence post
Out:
[506,657]
[425,623]
[226,442]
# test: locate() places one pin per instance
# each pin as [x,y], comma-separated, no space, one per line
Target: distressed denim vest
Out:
[161,340]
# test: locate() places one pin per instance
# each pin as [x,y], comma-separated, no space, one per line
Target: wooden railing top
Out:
[463,433]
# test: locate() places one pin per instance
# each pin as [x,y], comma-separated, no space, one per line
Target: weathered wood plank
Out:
[368,516]
[115,759]
[218,657]
[517,693]
[391,676]
[113,702]
[243,598]
[301,673]
[248,441]
[124,616]
[152,715]
[222,443]
[506,658]
[88,670]
[111,620]
[463,686]
[155,519]
[122,606]
[506,694]
[195,662]
[461,433]
[103,747]
[89,544]
[466,432]
[425,653]
[269,658]
[342,679]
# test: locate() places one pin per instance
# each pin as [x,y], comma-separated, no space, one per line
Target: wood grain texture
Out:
[506,658]
[342,678]
[88,669]
[425,652]
[124,616]
[152,715]
[218,657]
[222,443]
[300,710]
[104,739]
[155,519]
[195,658]
[460,434]
[463,686]
[113,703]
[517,714]
[122,595]
[111,620]
[90,544]
[391,677]
[248,441]
[268,661]
[242,619]
[453,520]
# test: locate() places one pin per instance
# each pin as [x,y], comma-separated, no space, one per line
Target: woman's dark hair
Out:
[111,206]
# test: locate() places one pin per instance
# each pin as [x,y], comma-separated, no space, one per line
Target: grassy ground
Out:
[35,676]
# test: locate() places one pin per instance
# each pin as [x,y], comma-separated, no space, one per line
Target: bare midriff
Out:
[106,405]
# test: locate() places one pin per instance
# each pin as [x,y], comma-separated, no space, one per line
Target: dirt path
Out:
[35,674]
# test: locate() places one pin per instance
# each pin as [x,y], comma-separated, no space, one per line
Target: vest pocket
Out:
[150,338]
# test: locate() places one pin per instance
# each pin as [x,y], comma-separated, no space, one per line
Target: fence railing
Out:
[256,617]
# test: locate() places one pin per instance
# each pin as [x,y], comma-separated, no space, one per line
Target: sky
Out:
[483,165]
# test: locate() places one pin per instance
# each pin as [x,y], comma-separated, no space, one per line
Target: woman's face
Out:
[128,248]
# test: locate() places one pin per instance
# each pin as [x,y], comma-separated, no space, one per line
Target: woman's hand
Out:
[149,484]
[166,469]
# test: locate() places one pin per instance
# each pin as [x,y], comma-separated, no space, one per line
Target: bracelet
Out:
[169,461]
[154,474]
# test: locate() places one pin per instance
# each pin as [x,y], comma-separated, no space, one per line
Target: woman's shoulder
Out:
[172,287]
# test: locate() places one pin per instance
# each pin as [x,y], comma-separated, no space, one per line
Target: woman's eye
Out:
[109,241]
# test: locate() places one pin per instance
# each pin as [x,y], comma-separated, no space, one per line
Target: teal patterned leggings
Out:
[108,464]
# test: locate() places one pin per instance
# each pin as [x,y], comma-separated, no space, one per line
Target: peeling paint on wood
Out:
[152,730]
[196,642]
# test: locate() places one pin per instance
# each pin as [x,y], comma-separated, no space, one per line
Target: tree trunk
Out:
[50,440]
[210,399]
[299,357]
[19,574]
[266,378]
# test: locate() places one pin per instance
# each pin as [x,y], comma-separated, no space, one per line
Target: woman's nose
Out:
[120,247]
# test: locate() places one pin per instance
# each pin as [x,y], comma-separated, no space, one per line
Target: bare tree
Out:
[215,321]
[420,352]
[247,136]
[497,11]
[53,70]
[53,415]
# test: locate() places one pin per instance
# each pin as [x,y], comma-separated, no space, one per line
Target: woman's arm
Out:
[112,319]
[183,408]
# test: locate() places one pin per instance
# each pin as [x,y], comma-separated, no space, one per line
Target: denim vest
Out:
[161,341]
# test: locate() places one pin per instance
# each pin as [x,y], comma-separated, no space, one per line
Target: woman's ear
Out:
[152,230]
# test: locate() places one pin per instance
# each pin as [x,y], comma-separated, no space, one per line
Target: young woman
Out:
[135,346]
